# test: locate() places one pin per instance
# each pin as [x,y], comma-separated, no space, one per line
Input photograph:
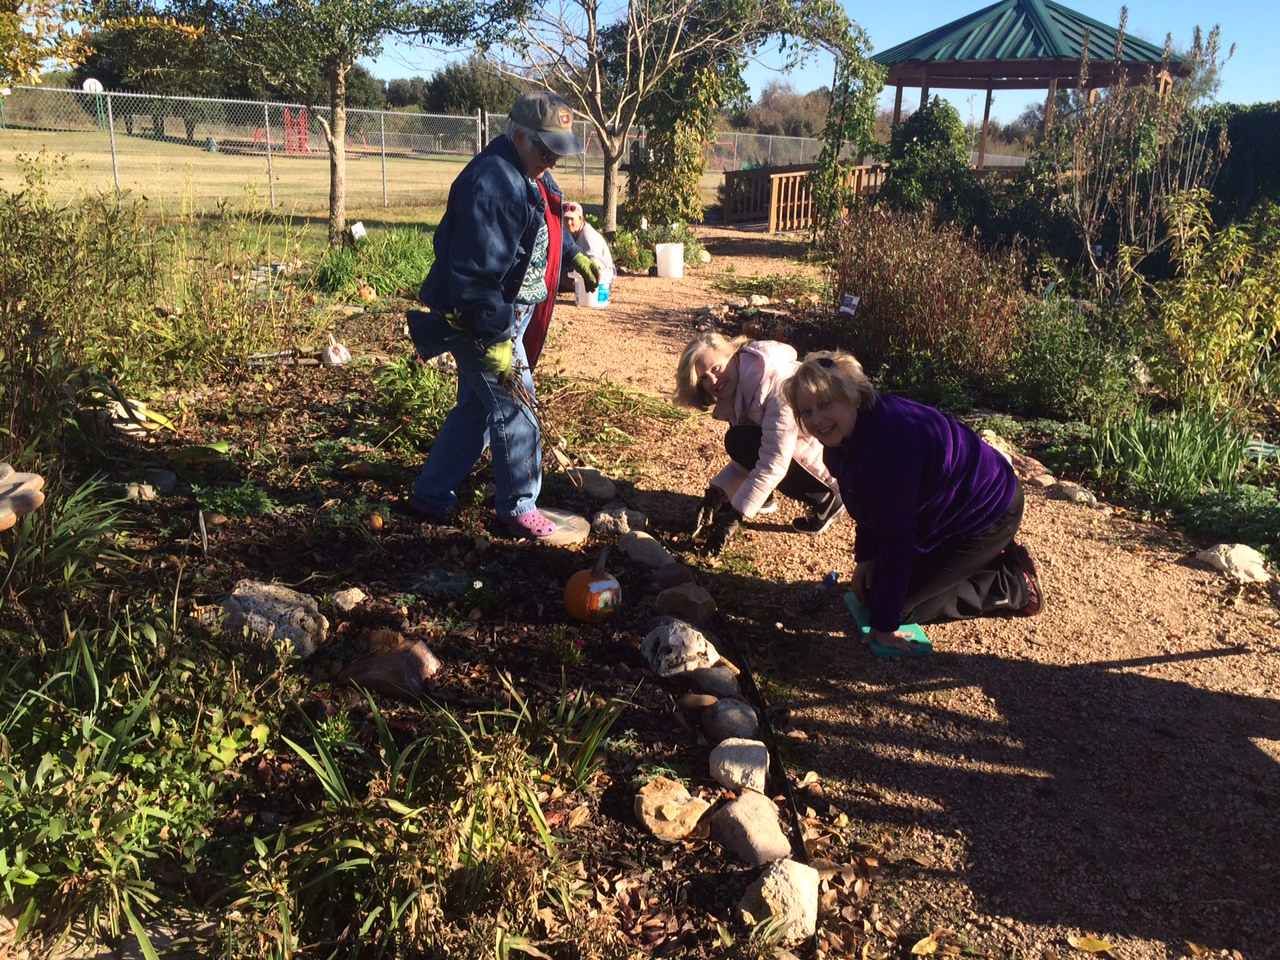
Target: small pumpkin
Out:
[594,594]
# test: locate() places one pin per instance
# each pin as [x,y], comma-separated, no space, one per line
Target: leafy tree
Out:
[781,111]
[35,32]
[609,60]
[473,84]
[292,42]
[408,92]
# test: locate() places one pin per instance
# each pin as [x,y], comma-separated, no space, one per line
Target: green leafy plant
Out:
[413,398]
[630,253]
[244,500]
[1072,361]
[1169,458]
[393,262]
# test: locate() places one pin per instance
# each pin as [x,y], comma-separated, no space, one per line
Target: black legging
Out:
[968,577]
[743,445]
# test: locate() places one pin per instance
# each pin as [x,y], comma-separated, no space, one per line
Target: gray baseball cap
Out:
[550,119]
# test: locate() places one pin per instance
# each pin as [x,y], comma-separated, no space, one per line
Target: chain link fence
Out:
[197,153]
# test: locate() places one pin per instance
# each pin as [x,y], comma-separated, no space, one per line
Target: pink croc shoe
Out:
[533,524]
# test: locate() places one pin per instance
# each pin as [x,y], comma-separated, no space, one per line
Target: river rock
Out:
[400,671]
[1072,493]
[718,680]
[594,483]
[688,601]
[672,575]
[750,829]
[644,549]
[730,719]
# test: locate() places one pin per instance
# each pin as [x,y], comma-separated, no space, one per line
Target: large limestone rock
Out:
[271,611]
[667,810]
[674,647]
[615,519]
[1238,561]
[787,892]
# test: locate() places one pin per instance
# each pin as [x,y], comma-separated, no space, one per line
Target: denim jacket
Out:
[485,240]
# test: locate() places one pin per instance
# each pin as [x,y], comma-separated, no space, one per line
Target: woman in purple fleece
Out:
[936,508]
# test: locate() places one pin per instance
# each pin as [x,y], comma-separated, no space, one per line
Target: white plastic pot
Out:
[670,259]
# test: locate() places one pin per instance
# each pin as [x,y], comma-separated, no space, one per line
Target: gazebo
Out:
[1020,45]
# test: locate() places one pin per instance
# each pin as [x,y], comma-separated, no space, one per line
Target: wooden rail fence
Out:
[781,197]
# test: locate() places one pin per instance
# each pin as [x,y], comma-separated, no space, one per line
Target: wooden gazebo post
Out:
[982,137]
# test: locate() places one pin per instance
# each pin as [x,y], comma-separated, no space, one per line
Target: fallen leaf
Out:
[1090,944]
[579,816]
[925,946]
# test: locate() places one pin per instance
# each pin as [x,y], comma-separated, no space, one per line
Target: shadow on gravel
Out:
[1093,797]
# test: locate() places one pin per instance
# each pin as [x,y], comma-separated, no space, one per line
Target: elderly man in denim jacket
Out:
[500,250]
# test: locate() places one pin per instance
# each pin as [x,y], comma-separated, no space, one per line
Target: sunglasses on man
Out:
[548,157]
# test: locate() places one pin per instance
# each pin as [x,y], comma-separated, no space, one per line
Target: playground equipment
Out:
[296,123]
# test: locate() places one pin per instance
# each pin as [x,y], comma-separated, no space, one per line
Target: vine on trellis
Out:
[851,124]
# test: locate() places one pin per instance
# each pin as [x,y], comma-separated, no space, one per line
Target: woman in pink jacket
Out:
[741,382]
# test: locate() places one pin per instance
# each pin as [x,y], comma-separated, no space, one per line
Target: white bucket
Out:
[670,259]
[597,298]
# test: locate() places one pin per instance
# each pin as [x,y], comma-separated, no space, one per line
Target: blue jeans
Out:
[484,416]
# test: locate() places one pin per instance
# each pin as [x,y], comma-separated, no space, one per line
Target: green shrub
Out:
[928,162]
[630,253]
[934,307]
[1169,458]
[1069,363]
[74,285]
[414,398]
[1220,312]
[393,262]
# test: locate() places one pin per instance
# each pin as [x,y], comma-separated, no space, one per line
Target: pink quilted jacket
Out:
[763,366]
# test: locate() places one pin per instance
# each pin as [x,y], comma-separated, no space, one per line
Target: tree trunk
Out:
[612,164]
[337,154]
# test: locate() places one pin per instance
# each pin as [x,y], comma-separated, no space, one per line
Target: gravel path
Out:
[1110,768]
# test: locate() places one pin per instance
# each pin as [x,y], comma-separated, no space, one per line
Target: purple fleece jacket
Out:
[912,478]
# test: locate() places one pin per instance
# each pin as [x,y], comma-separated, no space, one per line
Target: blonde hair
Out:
[688,393]
[828,375]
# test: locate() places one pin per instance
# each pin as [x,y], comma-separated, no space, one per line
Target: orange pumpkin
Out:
[593,595]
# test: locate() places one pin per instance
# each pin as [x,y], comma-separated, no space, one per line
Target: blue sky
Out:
[1251,76]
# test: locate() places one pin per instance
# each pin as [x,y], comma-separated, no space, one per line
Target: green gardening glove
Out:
[589,269]
[498,358]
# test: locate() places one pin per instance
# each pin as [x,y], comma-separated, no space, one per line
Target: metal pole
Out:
[479,129]
[584,158]
[382,127]
[115,162]
[271,169]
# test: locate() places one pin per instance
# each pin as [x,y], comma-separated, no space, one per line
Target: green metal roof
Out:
[1019,32]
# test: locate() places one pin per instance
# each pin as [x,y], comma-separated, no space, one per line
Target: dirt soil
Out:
[1110,768]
